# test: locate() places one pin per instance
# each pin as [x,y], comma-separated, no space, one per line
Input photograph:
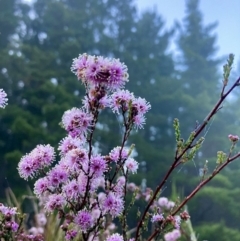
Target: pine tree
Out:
[8,26]
[199,75]
[201,87]
[41,85]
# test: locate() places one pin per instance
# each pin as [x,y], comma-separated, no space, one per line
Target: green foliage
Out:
[8,21]
[214,203]
[221,157]
[217,231]
[227,69]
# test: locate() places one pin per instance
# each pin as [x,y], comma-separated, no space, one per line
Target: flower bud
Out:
[233,138]
[184,215]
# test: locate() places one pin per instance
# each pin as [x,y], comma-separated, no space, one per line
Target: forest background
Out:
[37,45]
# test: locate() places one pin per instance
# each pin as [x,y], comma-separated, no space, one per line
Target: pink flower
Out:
[71,190]
[139,121]
[119,186]
[233,138]
[97,97]
[172,236]
[131,186]
[115,154]
[170,205]
[124,100]
[40,157]
[141,105]
[162,202]
[70,234]
[121,100]
[131,165]
[98,165]
[69,143]
[57,176]
[76,160]
[40,186]
[177,222]
[157,218]
[55,202]
[79,66]
[96,213]
[84,220]
[41,219]
[14,226]
[118,74]
[104,102]
[76,122]
[113,204]
[25,167]
[82,181]
[121,180]
[43,155]
[93,70]
[115,237]
[97,70]
[3,99]
[7,210]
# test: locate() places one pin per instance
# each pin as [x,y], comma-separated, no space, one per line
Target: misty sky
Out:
[225,12]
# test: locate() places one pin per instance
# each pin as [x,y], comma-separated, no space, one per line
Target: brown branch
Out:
[195,191]
[177,158]
[204,182]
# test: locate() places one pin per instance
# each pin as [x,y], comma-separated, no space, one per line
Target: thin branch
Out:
[194,192]
[177,158]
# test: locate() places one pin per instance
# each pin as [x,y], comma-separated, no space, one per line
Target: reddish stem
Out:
[178,157]
[200,185]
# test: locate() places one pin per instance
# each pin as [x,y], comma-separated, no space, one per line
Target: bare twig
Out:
[178,157]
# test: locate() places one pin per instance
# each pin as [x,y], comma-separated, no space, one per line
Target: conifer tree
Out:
[42,86]
[199,70]
[201,86]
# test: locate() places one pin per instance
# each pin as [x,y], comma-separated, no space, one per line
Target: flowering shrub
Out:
[87,189]
[10,223]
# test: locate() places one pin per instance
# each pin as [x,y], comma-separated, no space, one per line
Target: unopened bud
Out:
[8,226]
[64,227]
[8,217]
[233,138]
[184,215]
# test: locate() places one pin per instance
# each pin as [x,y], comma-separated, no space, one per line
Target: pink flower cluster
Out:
[76,122]
[7,222]
[40,222]
[166,204]
[115,237]
[84,187]
[173,235]
[10,229]
[233,138]
[39,158]
[3,99]
[99,71]
[126,102]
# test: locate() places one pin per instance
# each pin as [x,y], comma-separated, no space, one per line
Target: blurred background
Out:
[175,61]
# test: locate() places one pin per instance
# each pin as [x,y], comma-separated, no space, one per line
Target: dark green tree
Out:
[200,84]
[41,85]
[8,26]
[198,66]
[201,87]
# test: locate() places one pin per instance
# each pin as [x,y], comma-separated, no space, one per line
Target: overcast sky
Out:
[225,12]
